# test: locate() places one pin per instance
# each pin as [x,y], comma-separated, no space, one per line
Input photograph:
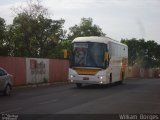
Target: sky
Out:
[117,18]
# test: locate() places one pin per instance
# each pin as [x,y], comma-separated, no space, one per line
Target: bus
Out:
[97,60]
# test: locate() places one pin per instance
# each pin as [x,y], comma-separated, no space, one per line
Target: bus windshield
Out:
[88,54]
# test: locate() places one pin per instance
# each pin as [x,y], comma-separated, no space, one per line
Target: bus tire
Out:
[122,78]
[79,85]
[110,79]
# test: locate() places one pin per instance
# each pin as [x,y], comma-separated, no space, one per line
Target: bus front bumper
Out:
[89,79]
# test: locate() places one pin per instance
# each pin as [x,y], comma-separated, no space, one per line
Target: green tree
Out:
[47,35]
[2,29]
[151,56]
[85,28]
[141,53]
[4,44]
[33,33]
[63,44]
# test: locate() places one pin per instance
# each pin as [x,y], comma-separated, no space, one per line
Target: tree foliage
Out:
[4,44]
[33,33]
[143,54]
[85,28]
[58,50]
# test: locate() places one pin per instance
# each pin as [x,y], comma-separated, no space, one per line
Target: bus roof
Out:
[96,39]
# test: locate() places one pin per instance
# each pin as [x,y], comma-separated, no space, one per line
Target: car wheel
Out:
[7,90]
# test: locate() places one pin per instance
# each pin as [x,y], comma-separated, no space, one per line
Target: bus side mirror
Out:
[65,54]
[106,56]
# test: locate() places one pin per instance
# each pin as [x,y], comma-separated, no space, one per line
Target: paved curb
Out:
[41,85]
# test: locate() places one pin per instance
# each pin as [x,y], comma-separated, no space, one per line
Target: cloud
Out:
[6,10]
[67,4]
[5,13]
[117,18]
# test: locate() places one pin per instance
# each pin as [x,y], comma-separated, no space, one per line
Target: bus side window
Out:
[113,49]
[109,50]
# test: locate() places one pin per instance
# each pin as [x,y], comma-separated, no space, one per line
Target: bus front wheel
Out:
[79,85]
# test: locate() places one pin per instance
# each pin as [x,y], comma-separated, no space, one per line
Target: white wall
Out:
[38,73]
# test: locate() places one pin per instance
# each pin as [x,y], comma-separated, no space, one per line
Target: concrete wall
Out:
[137,72]
[35,70]
[58,70]
[133,72]
[15,66]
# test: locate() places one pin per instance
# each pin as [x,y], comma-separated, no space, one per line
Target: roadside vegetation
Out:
[145,54]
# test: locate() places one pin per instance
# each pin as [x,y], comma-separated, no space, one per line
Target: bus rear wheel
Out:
[122,78]
[110,79]
[79,85]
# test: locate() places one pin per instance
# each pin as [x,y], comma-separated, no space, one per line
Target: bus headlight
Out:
[71,76]
[71,80]
[101,77]
[101,82]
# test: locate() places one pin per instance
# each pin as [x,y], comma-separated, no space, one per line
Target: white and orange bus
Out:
[97,60]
